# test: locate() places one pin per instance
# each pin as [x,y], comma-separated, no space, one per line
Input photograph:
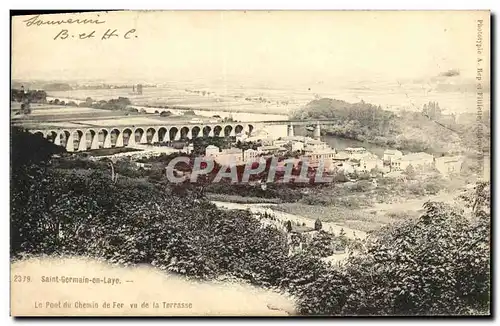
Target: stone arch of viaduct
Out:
[86,138]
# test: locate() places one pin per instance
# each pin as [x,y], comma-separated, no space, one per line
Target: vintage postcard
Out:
[250,163]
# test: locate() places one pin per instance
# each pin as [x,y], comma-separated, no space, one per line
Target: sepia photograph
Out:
[250,163]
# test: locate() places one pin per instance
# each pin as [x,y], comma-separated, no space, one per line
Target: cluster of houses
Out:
[348,161]
[446,165]
[319,154]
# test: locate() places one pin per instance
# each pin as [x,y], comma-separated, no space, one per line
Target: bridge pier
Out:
[119,140]
[57,140]
[107,140]
[154,139]
[131,140]
[70,145]
[165,137]
[144,138]
[317,131]
[94,144]
[82,145]
[290,130]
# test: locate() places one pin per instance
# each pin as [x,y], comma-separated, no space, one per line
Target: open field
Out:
[454,97]
[366,219]
[215,100]
[47,116]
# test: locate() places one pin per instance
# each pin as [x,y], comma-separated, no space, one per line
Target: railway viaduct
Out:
[88,137]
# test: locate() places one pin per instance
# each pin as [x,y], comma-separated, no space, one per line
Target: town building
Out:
[226,156]
[355,150]
[321,155]
[296,143]
[448,165]
[419,161]
[315,145]
[369,162]
[391,154]
[341,157]
[343,167]
[231,156]
[271,149]
[212,150]
[297,146]
[250,154]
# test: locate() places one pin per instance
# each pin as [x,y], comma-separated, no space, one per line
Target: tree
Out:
[288,226]
[321,245]
[410,172]
[318,225]
[189,112]
[26,108]
[436,264]
[89,101]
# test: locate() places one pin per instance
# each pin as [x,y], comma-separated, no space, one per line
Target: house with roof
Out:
[391,154]
[211,151]
[355,150]
[315,145]
[448,165]
[419,161]
[345,167]
[369,162]
[271,149]
[340,157]
[325,155]
[250,154]
[231,156]
[296,143]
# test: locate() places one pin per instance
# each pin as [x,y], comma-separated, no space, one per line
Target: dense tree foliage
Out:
[437,264]
[36,96]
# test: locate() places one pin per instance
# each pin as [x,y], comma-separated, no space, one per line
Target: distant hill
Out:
[41,85]
[406,130]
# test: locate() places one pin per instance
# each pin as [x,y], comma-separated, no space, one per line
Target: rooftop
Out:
[417,156]
[232,151]
[314,142]
[322,151]
[355,149]
[271,147]
[392,151]
[341,156]
[369,157]
[449,159]
[294,138]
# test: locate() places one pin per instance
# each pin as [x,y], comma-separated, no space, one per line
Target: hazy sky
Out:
[288,47]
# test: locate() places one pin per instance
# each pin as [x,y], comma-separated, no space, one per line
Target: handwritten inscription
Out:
[37,21]
[108,34]
[69,33]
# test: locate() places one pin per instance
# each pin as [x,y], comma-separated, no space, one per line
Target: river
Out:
[343,143]
[268,208]
[340,143]
[238,116]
